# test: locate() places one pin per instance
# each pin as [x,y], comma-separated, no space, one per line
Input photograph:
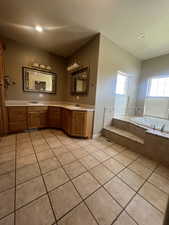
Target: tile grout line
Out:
[146,180]
[136,192]
[67,182]
[83,200]
[116,175]
[88,170]
[44,182]
[61,166]
[70,180]
[15,181]
[80,197]
[127,167]
[42,194]
[102,186]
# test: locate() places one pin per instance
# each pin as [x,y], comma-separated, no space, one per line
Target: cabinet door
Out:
[68,116]
[33,120]
[17,126]
[1,122]
[3,115]
[17,113]
[78,123]
[54,117]
[64,122]
[43,119]
[67,120]
[17,118]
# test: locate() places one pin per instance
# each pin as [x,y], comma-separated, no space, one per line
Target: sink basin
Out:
[35,103]
[75,107]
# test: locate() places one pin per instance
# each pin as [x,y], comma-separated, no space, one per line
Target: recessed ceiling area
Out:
[140,27]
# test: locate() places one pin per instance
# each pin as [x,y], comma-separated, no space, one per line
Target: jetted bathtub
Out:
[152,122]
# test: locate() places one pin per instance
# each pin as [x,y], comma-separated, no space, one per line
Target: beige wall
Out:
[85,56]
[151,68]
[102,55]
[18,55]
[111,59]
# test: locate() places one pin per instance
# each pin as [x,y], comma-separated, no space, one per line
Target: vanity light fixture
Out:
[74,66]
[39,29]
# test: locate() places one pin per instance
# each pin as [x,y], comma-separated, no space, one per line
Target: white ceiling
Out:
[70,23]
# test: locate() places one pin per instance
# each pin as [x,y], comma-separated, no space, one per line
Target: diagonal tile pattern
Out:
[48,178]
[120,191]
[104,208]
[64,199]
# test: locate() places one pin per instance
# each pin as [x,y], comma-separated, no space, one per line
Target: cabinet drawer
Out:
[1,122]
[17,126]
[17,113]
[37,108]
[54,111]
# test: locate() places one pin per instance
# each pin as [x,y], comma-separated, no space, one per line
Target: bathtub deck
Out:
[126,134]
[148,142]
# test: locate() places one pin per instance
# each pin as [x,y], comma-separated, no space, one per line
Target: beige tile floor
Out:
[48,178]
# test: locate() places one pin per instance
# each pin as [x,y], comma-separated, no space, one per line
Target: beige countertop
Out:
[56,104]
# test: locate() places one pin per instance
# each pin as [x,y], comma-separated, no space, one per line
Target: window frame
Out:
[149,83]
[126,83]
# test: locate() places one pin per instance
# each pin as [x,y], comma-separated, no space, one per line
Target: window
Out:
[121,84]
[159,87]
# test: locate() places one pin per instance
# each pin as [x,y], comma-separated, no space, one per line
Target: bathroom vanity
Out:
[19,116]
[75,121]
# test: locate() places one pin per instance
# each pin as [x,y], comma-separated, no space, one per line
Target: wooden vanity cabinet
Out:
[37,117]
[1,122]
[33,120]
[77,123]
[17,118]
[3,114]
[54,117]
[82,123]
[44,119]
[67,120]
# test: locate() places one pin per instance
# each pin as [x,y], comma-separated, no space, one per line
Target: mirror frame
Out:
[54,77]
[75,74]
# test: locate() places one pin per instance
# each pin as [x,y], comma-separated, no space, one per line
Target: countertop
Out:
[56,104]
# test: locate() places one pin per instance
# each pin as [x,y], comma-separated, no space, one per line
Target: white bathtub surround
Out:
[157,107]
[152,122]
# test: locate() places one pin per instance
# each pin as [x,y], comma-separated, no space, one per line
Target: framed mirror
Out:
[36,80]
[80,81]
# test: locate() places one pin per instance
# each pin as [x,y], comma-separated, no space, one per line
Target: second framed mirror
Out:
[80,81]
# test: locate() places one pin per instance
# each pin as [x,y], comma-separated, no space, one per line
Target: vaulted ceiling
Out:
[140,27]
